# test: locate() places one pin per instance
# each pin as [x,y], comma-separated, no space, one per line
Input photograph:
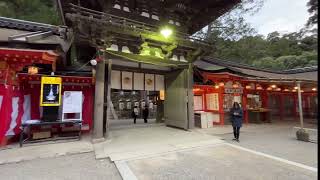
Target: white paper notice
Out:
[72,102]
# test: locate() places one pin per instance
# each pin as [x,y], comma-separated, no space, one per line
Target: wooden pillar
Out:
[300,104]
[190,109]
[108,87]
[99,100]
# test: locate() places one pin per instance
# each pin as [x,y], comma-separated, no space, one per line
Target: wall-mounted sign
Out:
[126,80]
[213,101]
[149,82]
[128,105]
[121,106]
[72,103]
[233,90]
[50,91]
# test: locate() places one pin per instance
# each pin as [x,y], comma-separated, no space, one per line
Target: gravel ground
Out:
[216,163]
[72,167]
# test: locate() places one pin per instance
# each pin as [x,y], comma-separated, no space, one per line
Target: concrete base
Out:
[98,140]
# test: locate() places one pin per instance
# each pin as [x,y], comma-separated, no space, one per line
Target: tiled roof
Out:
[30,26]
[207,63]
[245,66]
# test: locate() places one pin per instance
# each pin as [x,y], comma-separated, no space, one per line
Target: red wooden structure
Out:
[20,93]
[280,97]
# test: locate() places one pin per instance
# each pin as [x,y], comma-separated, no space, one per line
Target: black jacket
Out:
[145,112]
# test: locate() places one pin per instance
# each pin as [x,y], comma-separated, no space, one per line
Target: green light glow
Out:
[166,32]
[145,52]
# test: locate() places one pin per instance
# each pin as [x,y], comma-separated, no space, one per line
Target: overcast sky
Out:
[280,15]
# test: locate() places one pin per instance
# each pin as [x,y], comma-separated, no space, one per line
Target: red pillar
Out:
[204,99]
[264,101]
[295,113]
[281,106]
[221,111]
[244,106]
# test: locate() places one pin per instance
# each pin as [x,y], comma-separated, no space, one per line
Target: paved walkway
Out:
[45,150]
[158,152]
[71,167]
[277,139]
[220,162]
[136,142]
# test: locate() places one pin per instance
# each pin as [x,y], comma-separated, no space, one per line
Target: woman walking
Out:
[236,119]
[135,114]
[145,114]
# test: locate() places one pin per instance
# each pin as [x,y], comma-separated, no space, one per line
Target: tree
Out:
[43,11]
[313,10]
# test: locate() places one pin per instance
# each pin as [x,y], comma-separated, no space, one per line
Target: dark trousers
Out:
[236,132]
[145,119]
[134,119]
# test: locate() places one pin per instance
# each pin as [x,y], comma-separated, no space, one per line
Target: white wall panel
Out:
[126,80]
[138,81]
[149,82]
[159,82]
[115,80]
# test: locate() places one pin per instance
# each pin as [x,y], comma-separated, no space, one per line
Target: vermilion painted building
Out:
[29,50]
[264,95]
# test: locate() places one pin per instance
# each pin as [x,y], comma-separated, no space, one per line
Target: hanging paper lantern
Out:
[33,70]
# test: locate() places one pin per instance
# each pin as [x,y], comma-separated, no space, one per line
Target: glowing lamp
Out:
[216,86]
[269,88]
[295,87]
[259,88]
[301,90]
[196,89]
[161,94]
[221,84]
[166,32]
[278,89]
[235,85]
[314,89]
[294,90]
[248,87]
[33,70]
[273,86]
[286,90]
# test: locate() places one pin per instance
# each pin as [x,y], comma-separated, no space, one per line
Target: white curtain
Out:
[14,115]
[26,108]
[1,98]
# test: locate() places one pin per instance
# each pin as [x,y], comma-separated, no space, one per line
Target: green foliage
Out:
[237,41]
[313,10]
[43,11]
